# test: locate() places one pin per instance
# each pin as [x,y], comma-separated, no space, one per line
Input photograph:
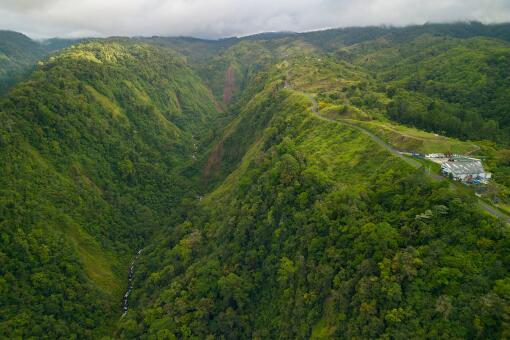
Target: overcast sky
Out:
[222,18]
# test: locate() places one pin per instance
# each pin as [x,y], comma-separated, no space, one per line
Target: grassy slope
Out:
[348,86]
[406,138]
[357,80]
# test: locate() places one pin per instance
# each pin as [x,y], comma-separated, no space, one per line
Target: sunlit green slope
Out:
[92,146]
[321,233]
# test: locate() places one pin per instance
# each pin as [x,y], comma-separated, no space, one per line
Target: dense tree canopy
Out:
[91,149]
[257,218]
[309,240]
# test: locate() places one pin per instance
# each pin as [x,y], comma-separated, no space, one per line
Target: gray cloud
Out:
[26,5]
[220,18]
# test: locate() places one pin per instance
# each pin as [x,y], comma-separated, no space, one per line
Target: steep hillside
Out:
[247,176]
[227,65]
[314,230]
[18,55]
[92,146]
[446,78]
[229,71]
[448,86]
[321,233]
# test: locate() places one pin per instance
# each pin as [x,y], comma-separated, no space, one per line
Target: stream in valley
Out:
[131,276]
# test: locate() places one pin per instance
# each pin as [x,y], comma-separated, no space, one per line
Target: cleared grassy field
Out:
[414,140]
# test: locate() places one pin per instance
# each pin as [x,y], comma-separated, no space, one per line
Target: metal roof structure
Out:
[463,167]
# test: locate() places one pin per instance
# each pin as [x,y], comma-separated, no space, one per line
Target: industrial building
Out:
[465,169]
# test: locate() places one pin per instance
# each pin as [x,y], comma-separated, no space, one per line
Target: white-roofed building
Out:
[469,170]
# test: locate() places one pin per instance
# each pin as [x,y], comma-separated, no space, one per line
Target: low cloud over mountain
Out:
[221,18]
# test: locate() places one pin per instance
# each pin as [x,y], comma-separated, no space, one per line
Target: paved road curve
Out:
[410,161]
[415,164]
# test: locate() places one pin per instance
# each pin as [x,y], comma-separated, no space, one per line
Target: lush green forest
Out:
[442,84]
[91,150]
[18,55]
[257,218]
[321,234]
